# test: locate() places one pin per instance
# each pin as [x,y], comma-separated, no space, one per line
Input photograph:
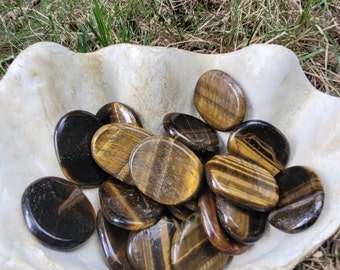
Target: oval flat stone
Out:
[114,243]
[112,145]
[72,142]
[150,248]
[262,143]
[301,199]
[116,112]
[220,100]
[191,248]
[242,182]
[245,225]
[58,213]
[165,170]
[125,206]
[192,132]
[212,227]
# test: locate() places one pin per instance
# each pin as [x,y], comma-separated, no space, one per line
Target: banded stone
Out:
[220,100]
[165,170]
[242,182]
[301,199]
[179,211]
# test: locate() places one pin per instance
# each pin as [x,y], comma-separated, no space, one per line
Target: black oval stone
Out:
[58,213]
[72,141]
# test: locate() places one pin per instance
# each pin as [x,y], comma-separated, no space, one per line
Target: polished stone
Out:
[192,132]
[116,112]
[112,145]
[58,213]
[179,211]
[165,170]
[242,182]
[114,243]
[150,248]
[262,143]
[191,248]
[301,199]
[212,227]
[220,100]
[125,206]
[72,142]
[244,225]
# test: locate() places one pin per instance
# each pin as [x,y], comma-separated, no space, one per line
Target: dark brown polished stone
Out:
[125,206]
[301,199]
[58,213]
[191,248]
[165,170]
[245,225]
[242,182]
[220,100]
[212,227]
[192,132]
[114,243]
[179,211]
[262,143]
[72,141]
[116,112]
[150,248]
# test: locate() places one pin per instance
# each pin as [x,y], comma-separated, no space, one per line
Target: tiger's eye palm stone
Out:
[150,248]
[262,143]
[58,213]
[192,132]
[220,100]
[179,211]
[245,225]
[191,248]
[125,206]
[72,141]
[212,227]
[242,182]
[112,145]
[116,112]
[301,200]
[165,170]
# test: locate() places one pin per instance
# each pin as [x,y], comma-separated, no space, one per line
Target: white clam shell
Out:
[47,80]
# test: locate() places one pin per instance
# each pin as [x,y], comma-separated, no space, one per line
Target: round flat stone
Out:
[262,143]
[301,199]
[72,142]
[165,170]
[116,112]
[212,227]
[150,248]
[244,225]
[112,145]
[192,132]
[58,213]
[114,243]
[242,182]
[191,248]
[125,206]
[220,100]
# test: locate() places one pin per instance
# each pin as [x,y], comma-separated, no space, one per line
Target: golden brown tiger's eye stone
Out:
[192,132]
[179,211]
[116,112]
[262,143]
[165,170]
[245,225]
[150,248]
[114,243]
[112,145]
[125,206]
[220,100]
[191,248]
[301,199]
[212,227]
[58,213]
[242,182]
